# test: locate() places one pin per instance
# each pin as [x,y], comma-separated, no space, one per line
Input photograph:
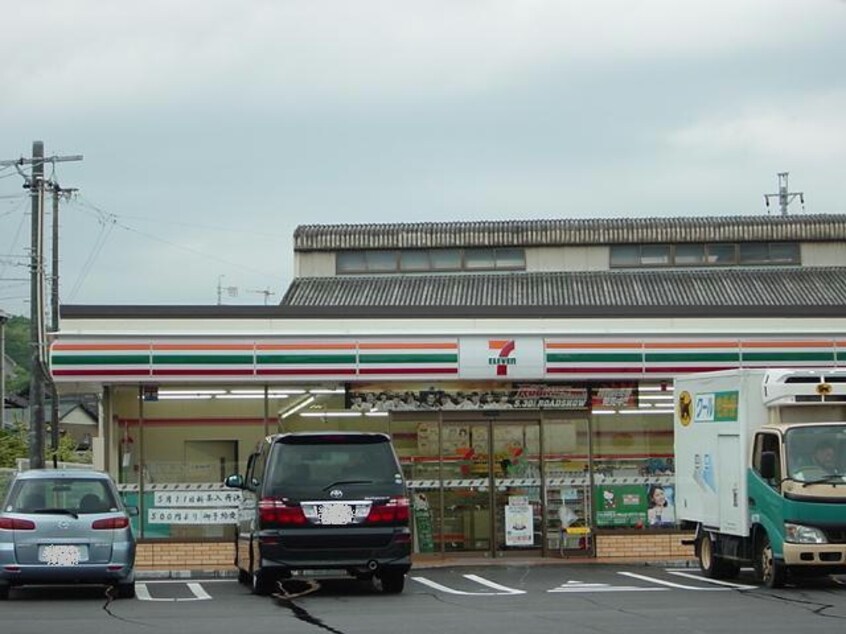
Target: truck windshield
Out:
[816,453]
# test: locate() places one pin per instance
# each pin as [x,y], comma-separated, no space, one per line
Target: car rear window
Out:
[77,495]
[319,462]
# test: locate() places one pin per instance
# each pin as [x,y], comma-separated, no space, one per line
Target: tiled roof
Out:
[793,291]
[591,231]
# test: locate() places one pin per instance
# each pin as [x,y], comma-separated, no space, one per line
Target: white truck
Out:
[761,470]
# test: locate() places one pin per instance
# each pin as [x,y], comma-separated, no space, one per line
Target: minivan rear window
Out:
[321,462]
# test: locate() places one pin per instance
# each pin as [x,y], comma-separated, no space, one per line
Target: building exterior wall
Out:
[314,264]
[823,253]
[570,258]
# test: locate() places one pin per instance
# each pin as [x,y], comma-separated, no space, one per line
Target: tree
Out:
[18,350]
[13,445]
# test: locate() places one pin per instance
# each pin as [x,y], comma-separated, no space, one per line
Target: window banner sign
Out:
[635,505]
[519,530]
[464,395]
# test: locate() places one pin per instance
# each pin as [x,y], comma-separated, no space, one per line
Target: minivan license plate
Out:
[336,514]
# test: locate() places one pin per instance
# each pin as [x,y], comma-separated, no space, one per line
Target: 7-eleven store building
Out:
[593,414]
[531,429]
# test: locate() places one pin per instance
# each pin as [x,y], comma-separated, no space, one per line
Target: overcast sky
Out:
[212,129]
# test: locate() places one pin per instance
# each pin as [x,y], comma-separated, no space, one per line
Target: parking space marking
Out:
[578,586]
[142,592]
[719,582]
[671,584]
[503,590]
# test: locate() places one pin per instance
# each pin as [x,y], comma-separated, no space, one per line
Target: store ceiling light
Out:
[326,414]
[185,397]
[296,408]
[190,393]
[255,397]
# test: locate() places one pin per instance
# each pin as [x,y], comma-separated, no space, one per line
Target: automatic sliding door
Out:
[466,522]
[517,485]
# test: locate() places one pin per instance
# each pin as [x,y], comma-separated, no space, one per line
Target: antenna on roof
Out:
[266,292]
[784,197]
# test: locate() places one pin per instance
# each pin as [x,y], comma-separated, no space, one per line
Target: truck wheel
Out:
[769,571]
[712,566]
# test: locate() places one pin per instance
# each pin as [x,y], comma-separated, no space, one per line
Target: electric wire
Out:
[12,247]
[103,214]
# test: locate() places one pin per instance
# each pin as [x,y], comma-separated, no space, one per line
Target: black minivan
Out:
[323,503]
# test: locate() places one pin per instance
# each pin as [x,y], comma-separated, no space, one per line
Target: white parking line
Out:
[142,592]
[670,584]
[578,586]
[719,582]
[495,586]
[503,590]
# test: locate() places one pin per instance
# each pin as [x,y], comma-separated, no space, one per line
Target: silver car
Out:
[66,527]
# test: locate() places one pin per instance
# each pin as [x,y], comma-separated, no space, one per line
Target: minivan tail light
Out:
[111,523]
[16,524]
[395,511]
[276,512]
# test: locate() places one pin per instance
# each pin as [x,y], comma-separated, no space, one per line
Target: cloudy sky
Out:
[212,129]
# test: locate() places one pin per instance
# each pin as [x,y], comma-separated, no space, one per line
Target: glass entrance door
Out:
[466,471]
[516,475]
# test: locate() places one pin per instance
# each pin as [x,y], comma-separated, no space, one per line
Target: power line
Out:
[193,225]
[101,213]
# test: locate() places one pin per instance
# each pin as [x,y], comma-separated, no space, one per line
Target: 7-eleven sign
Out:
[502,355]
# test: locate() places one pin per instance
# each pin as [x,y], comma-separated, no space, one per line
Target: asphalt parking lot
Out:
[491,599]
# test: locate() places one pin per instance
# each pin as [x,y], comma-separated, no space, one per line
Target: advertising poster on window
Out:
[423,536]
[635,505]
[519,529]
[621,505]
[469,395]
[661,503]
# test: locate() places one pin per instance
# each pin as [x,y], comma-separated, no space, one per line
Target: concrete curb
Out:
[161,575]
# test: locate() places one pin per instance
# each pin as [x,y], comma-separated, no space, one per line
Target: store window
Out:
[655,254]
[712,254]
[687,254]
[417,260]
[633,463]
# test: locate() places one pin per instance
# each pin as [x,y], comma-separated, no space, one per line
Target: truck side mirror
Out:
[768,465]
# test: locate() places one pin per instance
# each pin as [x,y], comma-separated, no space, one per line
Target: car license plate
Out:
[62,554]
[336,514]
[321,572]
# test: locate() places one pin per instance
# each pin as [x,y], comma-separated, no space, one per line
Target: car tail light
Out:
[111,523]
[276,512]
[395,511]
[16,524]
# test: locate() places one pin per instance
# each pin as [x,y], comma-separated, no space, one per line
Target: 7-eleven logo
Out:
[503,349]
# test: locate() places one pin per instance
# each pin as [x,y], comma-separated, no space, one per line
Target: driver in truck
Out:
[822,462]
[824,457]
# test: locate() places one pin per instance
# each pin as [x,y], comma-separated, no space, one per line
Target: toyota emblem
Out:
[336,493]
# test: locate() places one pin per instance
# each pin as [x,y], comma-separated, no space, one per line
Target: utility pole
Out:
[3,319]
[231,291]
[54,321]
[37,339]
[784,197]
[36,312]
